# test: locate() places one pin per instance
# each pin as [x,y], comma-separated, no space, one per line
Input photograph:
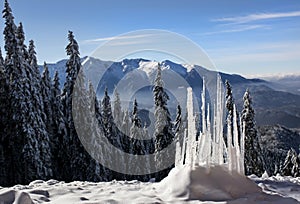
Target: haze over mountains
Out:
[276,101]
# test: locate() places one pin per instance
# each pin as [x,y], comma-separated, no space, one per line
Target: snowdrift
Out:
[214,184]
[183,185]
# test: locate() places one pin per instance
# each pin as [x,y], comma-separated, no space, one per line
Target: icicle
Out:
[236,141]
[229,146]
[178,154]
[243,149]
[191,127]
[203,108]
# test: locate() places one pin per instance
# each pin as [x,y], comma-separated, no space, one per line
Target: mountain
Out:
[287,83]
[273,102]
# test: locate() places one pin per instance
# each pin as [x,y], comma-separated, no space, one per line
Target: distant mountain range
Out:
[276,101]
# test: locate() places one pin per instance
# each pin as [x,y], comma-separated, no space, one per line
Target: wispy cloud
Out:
[256,17]
[238,29]
[124,39]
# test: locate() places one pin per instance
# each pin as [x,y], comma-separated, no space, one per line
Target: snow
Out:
[183,185]
[188,67]
[148,67]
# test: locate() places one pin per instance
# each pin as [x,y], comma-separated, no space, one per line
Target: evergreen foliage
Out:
[163,135]
[291,165]
[253,153]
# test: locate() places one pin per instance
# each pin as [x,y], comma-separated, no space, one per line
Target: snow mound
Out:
[14,197]
[214,184]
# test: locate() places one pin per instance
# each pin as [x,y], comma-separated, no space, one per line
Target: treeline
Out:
[38,138]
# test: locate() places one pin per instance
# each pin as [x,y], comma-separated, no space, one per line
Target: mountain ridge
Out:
[273,105]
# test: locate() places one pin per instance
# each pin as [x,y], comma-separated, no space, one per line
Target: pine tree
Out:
[137,143]
[178,126]
[291,165]
[229,106]
[253,157]
[21,40]
[3,120]
[37,105]
[58,128]
[107,117]
[163,126]
[76,160]
[136,131]
[100,148]
[27,142]
[126,124]
[117,110]
[10,39]
[46,91]
[72,69]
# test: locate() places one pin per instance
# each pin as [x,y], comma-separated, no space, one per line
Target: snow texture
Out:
[198,185]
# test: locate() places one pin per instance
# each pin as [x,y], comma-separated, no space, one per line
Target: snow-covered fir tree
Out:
[178,126]
[76,159]
[126,124]
[163,134]
[28,155]
[291,165]
[111,130]
[3,120]
[97,148]
[230,109]
[107,117]
[136,131]
[46,91]
[58,128]
[117,109]
[253,154]
[21,40]
[136,135]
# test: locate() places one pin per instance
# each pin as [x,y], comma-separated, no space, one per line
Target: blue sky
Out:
[250,37]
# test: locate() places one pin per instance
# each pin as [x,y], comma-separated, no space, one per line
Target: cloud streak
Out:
[117,38]
[238,29]
[257,17]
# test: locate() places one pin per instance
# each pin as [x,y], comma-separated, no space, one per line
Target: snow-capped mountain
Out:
[273,104]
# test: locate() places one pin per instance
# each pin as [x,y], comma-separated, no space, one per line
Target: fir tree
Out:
[77,160]
[3,121]
[136,131]
[107,117]
[291,165]
[126,124]
[163,126]
[136,146]
[97,146]
[21,40]
[10,39]
[117,110]
[178,126]
[27,143]
[58,128]
[229,106]
[253,157]
[47,99]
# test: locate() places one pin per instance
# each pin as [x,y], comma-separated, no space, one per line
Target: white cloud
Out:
[117,38]
[256,17]
[238,29]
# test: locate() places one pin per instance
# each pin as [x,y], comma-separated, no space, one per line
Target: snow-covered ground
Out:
[183,185]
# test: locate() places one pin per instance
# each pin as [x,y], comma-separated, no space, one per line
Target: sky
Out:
[249,37]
